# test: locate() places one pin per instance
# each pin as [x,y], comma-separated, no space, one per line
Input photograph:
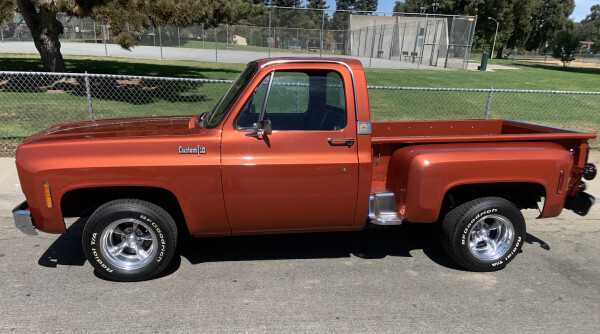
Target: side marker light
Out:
[47,196]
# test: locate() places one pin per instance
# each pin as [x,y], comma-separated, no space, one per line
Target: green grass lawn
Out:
[23,113]
[129,66]
[529,76]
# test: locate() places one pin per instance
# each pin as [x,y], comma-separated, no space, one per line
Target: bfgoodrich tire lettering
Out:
[484,234]
[129,240]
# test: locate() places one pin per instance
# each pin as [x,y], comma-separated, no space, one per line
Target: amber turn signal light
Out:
[47,196]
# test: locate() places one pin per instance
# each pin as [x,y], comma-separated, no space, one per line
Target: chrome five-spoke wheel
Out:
[129,240]
[128,243]
[491,237]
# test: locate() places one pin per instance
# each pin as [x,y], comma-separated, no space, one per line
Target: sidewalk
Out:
[174,53]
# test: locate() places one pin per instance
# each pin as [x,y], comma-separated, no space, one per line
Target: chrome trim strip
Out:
[264,106]
[282,61]
[22,218]
[561,182]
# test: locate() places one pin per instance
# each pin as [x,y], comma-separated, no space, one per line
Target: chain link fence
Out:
[31,102]
[583,58]
[431,40]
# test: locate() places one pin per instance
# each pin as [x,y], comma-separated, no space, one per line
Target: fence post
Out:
[450,41]
[489,104]
[95,36]
[160,42]
[358,48]
[216,47]
[104,39]
[469,44]
[89,97]
[414,51]
[373,41]
[322,27]
[402,43]
[394,29]
[424,41]
[437,23]
[269,39]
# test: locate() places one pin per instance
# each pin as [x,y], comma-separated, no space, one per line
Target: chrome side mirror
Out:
[265,128]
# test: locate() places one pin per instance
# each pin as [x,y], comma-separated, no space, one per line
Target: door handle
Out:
[341,142]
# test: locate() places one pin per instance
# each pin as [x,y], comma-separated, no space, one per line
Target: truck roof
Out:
[352,63]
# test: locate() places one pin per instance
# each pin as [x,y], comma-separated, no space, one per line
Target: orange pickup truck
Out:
[291,148]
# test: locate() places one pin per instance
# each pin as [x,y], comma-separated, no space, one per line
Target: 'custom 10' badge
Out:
[192,150]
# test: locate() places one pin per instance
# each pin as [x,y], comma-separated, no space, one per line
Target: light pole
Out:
[496,34]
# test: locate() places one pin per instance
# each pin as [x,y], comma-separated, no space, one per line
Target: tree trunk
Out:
[45,29]
[500,53]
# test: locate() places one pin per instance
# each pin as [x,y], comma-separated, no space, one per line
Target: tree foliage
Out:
[552,17]
[564,47]
[399,7]
[317,4]
[526,24]
[589,29]
[40,17]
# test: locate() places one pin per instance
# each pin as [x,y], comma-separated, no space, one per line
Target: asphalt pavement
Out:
[377,281]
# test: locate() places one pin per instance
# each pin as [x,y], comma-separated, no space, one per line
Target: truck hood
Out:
[116,128]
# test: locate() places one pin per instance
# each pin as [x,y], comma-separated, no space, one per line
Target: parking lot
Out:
[375,281]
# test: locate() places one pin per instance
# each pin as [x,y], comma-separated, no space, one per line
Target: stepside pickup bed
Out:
[290,148]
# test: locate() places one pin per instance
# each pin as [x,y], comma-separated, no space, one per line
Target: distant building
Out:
[239,40]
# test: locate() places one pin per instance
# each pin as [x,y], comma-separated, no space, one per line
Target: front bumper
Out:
[23,219]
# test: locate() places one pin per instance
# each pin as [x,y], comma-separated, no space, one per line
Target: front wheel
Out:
[484,234]
[129,240]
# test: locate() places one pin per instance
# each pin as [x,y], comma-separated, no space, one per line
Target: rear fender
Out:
[421,175]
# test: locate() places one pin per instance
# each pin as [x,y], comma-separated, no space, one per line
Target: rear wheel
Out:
[484,234]
[129,240]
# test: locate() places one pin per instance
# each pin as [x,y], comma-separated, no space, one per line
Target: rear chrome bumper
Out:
[23,220]
[580,204]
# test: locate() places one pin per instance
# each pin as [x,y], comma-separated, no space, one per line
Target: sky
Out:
[582,7]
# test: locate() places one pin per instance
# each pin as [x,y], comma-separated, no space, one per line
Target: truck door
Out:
[303,175]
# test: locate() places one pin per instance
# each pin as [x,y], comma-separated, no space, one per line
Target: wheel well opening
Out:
[523,195]
[83,202]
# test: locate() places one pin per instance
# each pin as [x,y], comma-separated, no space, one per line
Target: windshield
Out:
[217,114]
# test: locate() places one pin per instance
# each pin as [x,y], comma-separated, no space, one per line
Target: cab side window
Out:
[297,100]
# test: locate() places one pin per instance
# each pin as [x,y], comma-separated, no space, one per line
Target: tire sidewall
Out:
[478,212]
[99,222]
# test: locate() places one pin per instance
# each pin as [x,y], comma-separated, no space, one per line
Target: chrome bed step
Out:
[382,209]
